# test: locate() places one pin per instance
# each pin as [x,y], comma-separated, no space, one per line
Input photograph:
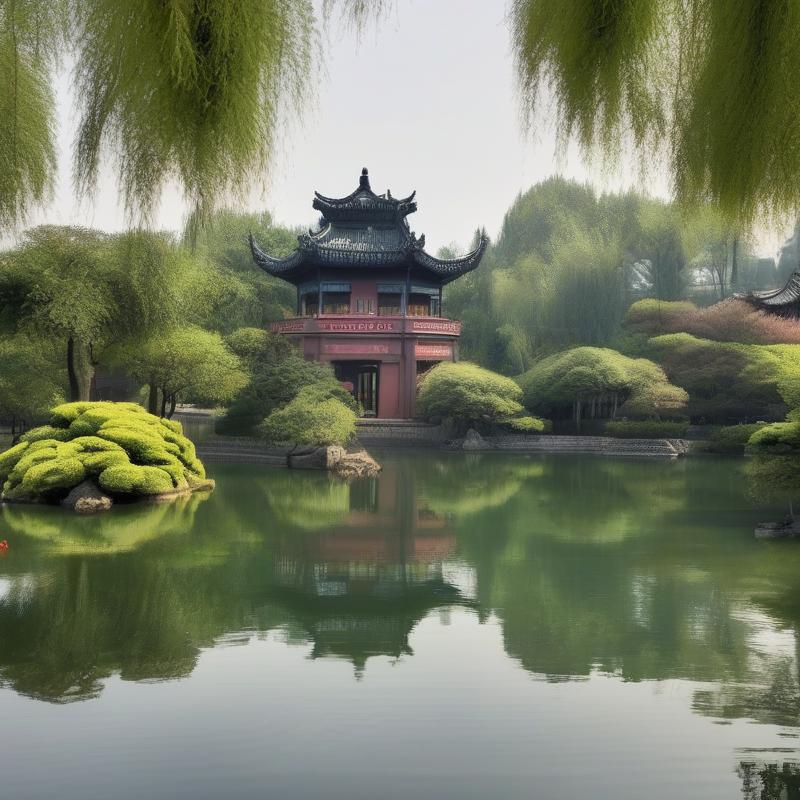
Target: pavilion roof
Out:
[365,230]
[784,301]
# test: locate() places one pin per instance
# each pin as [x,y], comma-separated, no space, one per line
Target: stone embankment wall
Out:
[596,445]
[242,450]
[399,433]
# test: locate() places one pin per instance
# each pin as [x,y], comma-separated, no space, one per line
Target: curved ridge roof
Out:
[363,203]
[365,230]
[784,301]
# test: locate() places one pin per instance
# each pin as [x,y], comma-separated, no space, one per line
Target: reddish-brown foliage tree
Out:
[732,320]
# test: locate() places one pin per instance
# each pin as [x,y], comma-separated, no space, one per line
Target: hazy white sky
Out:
[426,102]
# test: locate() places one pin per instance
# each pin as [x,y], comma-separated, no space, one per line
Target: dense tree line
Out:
[568,262]
[75,302]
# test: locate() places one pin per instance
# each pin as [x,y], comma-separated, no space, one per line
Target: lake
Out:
[463,626]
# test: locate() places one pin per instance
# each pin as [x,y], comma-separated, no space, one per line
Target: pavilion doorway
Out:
[361,378]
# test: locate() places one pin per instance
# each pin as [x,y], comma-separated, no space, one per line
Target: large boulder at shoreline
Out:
[356,465]
[118,447]
[86,498]
[316,457]
[336,460]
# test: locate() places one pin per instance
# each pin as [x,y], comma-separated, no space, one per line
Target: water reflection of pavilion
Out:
[359,588]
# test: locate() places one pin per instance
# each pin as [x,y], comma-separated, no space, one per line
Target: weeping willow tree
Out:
[190,90]
[187,91]
[31,35]
[709,86]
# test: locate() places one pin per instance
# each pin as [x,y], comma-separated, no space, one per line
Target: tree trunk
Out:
[735,262]
[172,401]
[152,398]
[163,403]
[72,374]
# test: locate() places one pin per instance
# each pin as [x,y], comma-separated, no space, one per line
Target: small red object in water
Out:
[3,547]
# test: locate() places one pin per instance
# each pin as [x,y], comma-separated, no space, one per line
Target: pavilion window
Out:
[365,305]
[335,298]
[309,299]
[423,301]
[390,299]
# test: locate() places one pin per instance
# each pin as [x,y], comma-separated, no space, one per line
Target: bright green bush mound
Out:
[731,382]
[779,438]
[313,417]
[732,439]
[125,450]
[646,429]
[469,395]
[586,379]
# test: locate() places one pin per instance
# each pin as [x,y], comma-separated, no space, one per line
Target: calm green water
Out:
[462,627]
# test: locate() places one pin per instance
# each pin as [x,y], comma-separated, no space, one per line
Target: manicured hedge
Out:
[779,438]
[732,438]
[469,395]
[575,381]
[121,447]
[646,429]
[311,418]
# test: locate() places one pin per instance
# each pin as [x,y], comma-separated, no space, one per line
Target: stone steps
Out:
[598,445]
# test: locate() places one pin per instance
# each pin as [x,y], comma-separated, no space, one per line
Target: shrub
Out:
[45,432]
[52,474]
[469,395]
[134,479]
[646,429]
[9,459]
[527,424]
[127,450]
[728,381]
[277,376]
[731,320]
[779,438]
[596,381]
[306,420]
[732,438]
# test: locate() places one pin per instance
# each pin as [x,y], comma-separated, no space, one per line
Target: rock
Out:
[474,441]
[316,458]
[356,465]
[788,529]
[86,498]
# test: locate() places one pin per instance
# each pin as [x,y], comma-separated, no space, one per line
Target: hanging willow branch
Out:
[710,87]
[31,39]
[190,90]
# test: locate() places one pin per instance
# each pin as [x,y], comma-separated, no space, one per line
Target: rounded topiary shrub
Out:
[311,418]
[469,395]
[779,438]
[119,447]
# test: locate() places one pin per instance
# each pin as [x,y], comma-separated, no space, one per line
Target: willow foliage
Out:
[31,35]
[188,90]
[712,85]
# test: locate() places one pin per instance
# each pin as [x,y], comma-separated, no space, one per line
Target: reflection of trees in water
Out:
[123,528]
[637,569]
[314,501]
[86,618]
[628,567]
[352,591]
[770,781]
[463,485]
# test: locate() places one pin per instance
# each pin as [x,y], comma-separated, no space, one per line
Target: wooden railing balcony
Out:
[368,324]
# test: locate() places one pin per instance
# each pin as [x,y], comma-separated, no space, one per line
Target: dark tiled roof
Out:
[364,230]
[784,301]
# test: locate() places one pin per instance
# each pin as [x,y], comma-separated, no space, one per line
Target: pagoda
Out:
[369,298]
